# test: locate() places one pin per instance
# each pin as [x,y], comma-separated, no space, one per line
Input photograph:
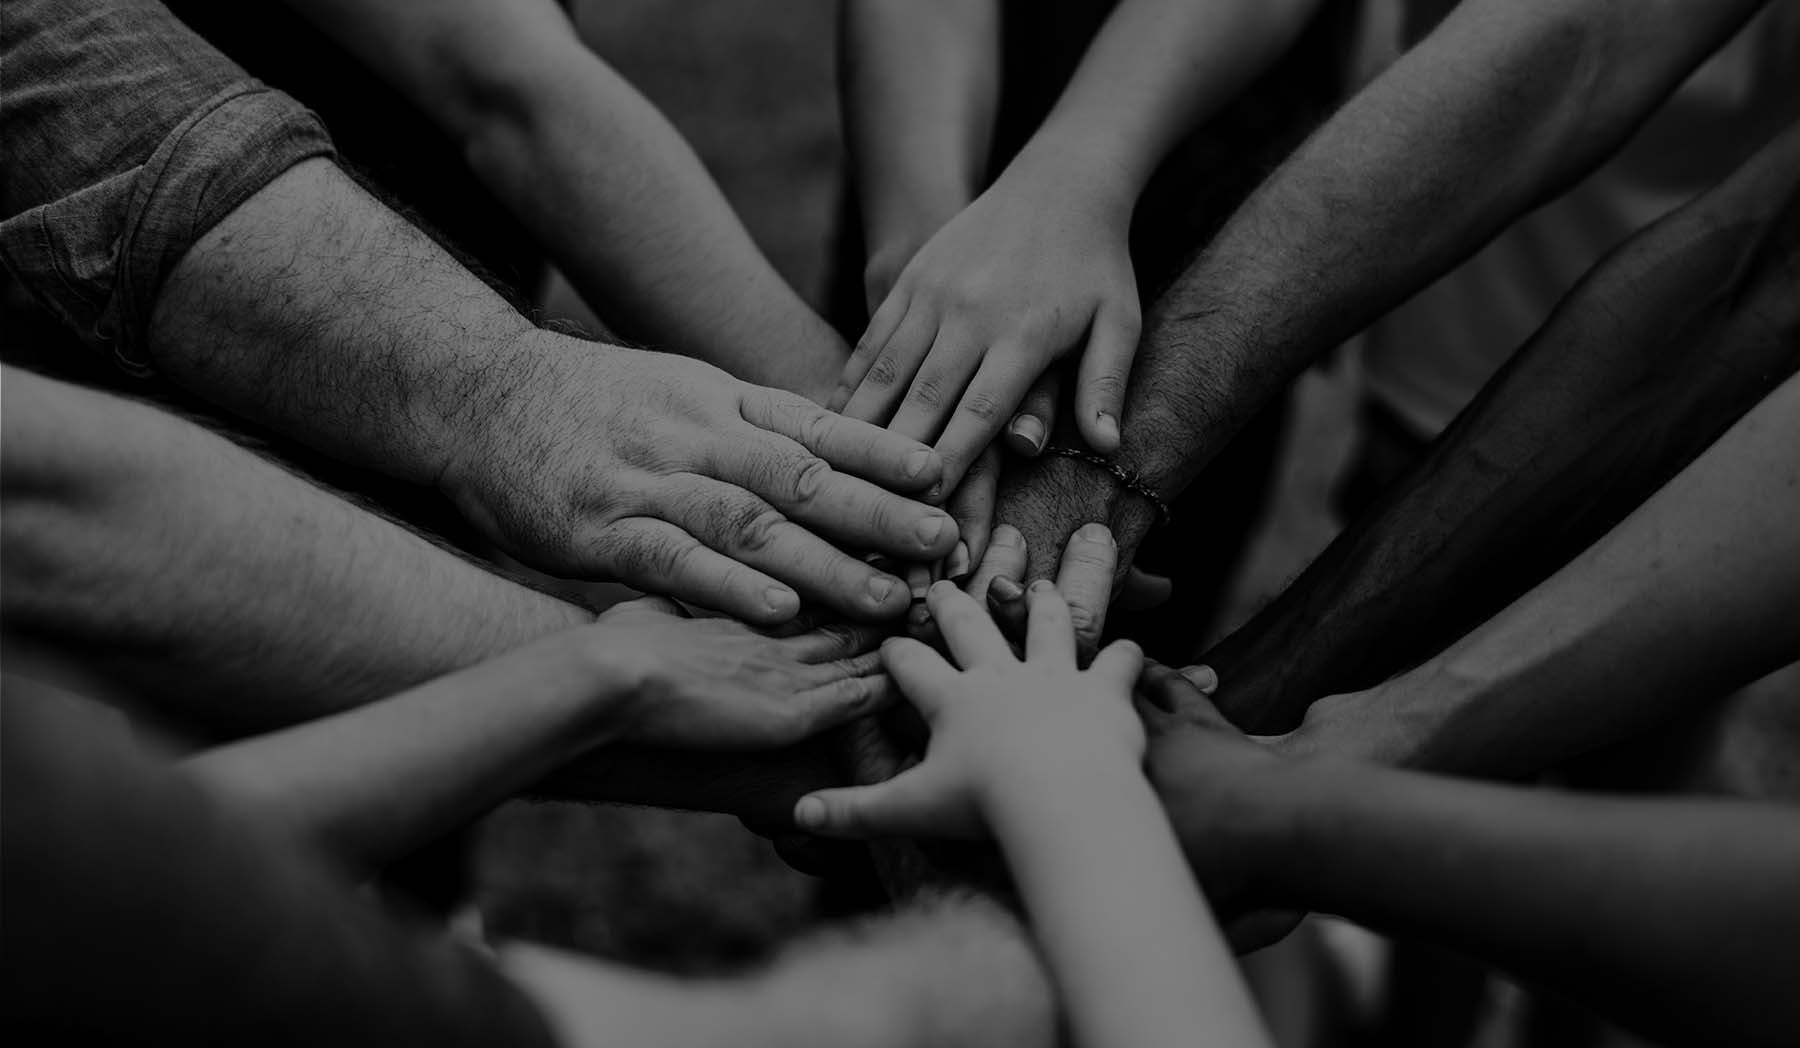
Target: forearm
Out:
[1128,936]
[1610,899]
[602,179]
[1505,104]
[288,602]
[1157,69]
[375,783]
[1657,352]
[1692,596]
[920,87]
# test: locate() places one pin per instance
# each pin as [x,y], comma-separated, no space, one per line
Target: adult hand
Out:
[1214,781]
[1051,498]
[672,476]
[709,683]
[1036,266]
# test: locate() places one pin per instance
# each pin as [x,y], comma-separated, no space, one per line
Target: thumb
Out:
[1100,383]
[903,806]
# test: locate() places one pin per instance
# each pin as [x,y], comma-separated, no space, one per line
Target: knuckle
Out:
[819,428]
[754,528]
[884,372]
[1107,385]
[807,480]
[928,391]
[982,405]
[1083,619]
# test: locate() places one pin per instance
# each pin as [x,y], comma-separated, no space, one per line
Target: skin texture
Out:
[1660,349]
[598,176]
[1607,899]
[577,458]
[374,784]
[1047,758]
[1038,264]
[1503,105]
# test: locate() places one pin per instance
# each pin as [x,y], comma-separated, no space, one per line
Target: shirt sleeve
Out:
[127,137]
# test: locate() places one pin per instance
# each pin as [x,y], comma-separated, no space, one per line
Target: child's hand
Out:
[715,683]
[1036,266]
[990,718]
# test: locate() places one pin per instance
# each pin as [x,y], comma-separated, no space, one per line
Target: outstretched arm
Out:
[1611,900]
[601,178]
[1693,595]
[1660,349]
[1503,105]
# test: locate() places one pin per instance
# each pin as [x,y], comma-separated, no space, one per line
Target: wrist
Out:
[1077,166]
[1022,774]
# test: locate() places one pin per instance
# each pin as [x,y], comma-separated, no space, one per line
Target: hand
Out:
[1213,781]
[994,715]
[672,476]
[718,684]
[1050,499]
[1036,266]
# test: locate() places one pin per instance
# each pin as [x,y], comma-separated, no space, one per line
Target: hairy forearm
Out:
[318,312]
[1693,595]
[1135,951]
[1657,352]
[375,783]
[1505,104]
[234,593]
[920,87]
[1609,899]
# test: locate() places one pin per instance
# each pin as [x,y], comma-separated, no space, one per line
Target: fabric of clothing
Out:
[1427,359]
[127,138]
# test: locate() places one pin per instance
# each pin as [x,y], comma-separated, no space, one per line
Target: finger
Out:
[649,606]
[892,371]
[921,673]
[658,556]
[840,640]
[1100,382]
[1143,591]
[1006,604]
[881,328]
[985,407]
[1176,694]
[845,444]
[841,701]
[1036,417]
[1119,664]
[903,806]
[1085,580]
[1048,636]
[968,630]
[743,527]
[856,512]
[1203,678]
[936,389]
[1003,559]
[972,507]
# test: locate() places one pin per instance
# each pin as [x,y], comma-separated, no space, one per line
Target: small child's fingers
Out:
[1004,558]
[1006,603]
[903,806]
[1119,664]
[890,374]
[968,630]
[1049,638]
[1006,373]
[922,674]
[949,365]
[882,326]
[1100,382]
[1031,425]
[972,506]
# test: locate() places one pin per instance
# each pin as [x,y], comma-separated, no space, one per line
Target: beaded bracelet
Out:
[1128,479]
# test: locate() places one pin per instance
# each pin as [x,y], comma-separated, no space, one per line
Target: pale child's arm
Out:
[1047,758]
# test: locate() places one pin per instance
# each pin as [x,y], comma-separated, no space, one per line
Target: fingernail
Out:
[1030,429]
[918,617]
[810,812]
[1108,427]
[1005,590]
[781,600]
[1095,532]
[930,528]
[918,580]
[935,491]
[959,561]
[881,588]
[1006,535]
[1202,677]
[917,461]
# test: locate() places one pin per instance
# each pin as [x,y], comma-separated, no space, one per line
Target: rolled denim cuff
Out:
[98,257]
